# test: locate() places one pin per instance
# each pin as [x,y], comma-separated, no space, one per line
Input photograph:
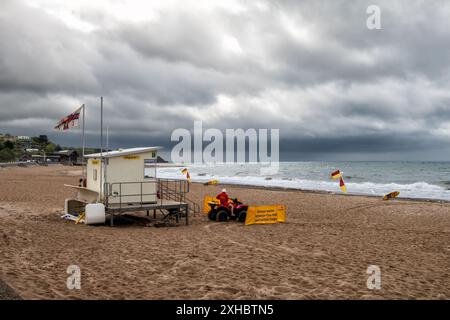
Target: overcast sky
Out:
[334,88]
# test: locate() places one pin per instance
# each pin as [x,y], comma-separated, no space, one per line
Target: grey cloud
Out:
[310,68]
[41,55]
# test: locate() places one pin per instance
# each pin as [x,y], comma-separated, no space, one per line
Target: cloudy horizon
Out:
[335,89]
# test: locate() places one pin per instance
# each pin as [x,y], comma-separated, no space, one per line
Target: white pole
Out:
[107,151]
[83,143]
[101,148]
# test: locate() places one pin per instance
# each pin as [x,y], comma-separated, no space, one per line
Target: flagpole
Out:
[106,160]
[83,142]
[101,148]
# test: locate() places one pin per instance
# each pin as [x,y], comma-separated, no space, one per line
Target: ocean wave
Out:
[414,190]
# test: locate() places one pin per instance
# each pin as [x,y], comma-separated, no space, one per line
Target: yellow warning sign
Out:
[131,157]
[94,162]
[266,215]
[206,206]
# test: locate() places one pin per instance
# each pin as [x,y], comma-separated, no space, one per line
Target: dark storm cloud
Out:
[39,55]
[364,143]
[311,68]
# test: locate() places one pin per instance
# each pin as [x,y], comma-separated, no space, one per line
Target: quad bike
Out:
[222,213]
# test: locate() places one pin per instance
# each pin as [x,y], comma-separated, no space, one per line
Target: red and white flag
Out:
[72,120]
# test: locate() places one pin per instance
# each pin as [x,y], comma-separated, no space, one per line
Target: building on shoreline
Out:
[65,157]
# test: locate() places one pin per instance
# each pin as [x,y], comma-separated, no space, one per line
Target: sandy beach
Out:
[322,252]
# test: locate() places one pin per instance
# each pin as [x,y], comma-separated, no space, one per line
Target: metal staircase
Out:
[176,190]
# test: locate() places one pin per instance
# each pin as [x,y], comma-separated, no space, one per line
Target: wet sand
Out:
[322,252]
[6,293]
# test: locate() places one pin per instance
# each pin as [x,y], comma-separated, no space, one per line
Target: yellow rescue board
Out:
[391,195]
[211,182]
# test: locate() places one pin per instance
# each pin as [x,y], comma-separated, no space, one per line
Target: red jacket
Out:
[223,198]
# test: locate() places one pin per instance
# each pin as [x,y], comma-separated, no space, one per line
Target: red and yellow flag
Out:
[342,185]
[336,174]
[186,172]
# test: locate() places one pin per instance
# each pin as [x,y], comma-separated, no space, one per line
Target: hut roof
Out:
[122,152]
[67,152]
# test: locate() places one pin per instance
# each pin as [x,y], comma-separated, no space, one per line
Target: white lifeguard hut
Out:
[123,172]
[126,180]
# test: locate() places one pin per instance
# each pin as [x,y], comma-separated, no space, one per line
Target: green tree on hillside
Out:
[50,148]
[43,139]
[8,144]
[7,155]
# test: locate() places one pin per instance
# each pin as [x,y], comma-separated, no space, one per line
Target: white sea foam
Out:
[243,175]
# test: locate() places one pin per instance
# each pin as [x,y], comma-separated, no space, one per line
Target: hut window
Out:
[95,174]
[149,168]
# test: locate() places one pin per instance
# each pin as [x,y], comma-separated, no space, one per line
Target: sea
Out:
[424,180]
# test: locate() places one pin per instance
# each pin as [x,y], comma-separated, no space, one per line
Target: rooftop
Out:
[66,152]
[122,152]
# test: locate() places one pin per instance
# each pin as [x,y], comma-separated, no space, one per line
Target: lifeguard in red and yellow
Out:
[225,200]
